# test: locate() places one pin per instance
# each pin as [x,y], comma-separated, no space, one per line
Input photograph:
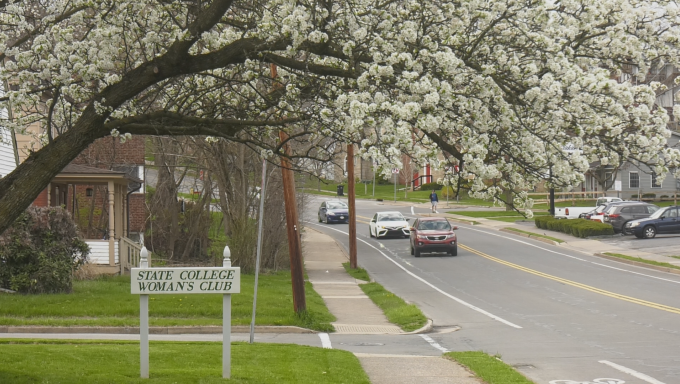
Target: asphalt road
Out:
[559,317]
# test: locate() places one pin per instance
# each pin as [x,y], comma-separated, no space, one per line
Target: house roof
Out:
[74,173]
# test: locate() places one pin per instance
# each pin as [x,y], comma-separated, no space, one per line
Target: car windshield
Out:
[431,225]
[336,205]
[658,213]
[391,217]
[600,208]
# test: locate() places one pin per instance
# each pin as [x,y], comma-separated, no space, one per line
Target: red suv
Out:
[433,234]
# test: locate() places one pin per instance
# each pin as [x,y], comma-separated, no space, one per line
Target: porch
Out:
[111,251]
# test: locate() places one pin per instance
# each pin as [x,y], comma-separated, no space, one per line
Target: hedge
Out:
[431,186]
[576,227]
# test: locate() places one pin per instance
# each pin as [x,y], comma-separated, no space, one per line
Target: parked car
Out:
[619,214]
[580,212]
[433,234]
[388,224]
[664,220]
[333,211]
[598,215]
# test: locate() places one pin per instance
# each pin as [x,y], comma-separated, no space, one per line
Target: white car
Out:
[388,224]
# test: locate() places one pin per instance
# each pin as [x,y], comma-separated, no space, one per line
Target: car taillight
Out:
[566,211]
[613,216]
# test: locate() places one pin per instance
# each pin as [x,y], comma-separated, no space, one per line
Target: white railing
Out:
[129,254]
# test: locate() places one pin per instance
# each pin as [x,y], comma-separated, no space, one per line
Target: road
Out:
[559,317]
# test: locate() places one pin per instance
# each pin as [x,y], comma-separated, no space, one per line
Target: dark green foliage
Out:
[577,227]
[649,195]
[40,251]
[431,186]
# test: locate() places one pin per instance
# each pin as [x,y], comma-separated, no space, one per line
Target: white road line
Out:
[434,343]
[465,303]
[413,213]
[631,372]
[572,257]
[325,340]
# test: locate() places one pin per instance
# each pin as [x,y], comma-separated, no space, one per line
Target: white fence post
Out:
[144,324]
[226,322]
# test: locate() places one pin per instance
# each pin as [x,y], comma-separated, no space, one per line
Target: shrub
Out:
[663,196]
[648,195]
[576,227]
[634,196]
[431,186]
[40,252]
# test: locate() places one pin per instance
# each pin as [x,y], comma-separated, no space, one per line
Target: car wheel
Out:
[649,232]
[319,216]
[325,219]
[454,251]
[416,253]
[624,231]
[370,233]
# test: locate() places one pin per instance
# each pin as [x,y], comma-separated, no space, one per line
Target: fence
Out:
[129,255]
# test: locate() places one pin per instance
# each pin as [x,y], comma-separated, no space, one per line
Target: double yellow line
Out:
[575,284]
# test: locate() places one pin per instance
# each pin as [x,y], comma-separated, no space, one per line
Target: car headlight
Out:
[634,224]
[422,237]
[330,213]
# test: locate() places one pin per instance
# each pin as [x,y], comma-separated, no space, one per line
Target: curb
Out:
[638,263]
[424,329]
[538,238]
[156,330]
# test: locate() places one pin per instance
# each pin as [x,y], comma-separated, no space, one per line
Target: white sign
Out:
[186,280]
[617,185]
[395,170]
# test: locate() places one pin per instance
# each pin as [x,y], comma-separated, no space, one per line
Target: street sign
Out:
[144,280]
[395,170]
[617,185]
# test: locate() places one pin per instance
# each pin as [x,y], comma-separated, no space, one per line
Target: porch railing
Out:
[129,255]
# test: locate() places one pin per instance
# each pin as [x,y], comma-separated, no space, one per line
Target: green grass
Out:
[407,316]
[487,214]
[488,368]
[386,192]
[534,234]
[650,262]
[359,273]
[108,302]
[43,361]
[511,219]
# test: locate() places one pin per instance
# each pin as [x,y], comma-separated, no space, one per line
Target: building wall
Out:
[7,161]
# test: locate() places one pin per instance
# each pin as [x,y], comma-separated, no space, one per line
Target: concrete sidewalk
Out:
[357,314]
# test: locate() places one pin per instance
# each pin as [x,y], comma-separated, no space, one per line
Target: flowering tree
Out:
[501,86]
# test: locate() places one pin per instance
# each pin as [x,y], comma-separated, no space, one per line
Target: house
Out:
[105,196]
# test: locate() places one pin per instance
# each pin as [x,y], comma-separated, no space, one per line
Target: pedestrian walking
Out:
[434,200]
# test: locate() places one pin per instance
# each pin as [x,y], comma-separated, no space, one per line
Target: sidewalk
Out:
[357,314]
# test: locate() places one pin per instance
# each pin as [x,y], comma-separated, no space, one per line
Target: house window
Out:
[655,183]
[634,180]
[608,180]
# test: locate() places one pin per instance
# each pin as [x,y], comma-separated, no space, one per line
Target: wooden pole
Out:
[352,212]
[294,249]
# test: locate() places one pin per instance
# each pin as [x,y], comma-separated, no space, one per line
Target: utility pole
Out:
[294,247]
[352,211]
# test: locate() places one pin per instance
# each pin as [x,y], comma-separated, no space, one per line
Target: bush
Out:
[649,195]
[576,227]
[431,186]
[40,252]
[634,196]
[664,196]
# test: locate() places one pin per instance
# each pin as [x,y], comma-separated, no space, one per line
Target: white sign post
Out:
[145,280]
[395,172]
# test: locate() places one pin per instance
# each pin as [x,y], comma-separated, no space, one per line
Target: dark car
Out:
[618,215]
[433,234]
[333,211]
[664,220]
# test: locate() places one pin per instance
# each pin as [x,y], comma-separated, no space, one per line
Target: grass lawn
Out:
[44,361]
[488,368]
[407,316]
[650,262]
[386,192]
[495,214]
[359,273]
[108,302]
